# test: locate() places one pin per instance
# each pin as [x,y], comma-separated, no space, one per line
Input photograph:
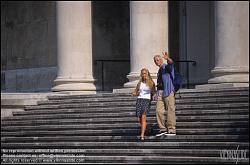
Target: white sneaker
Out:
[171,134]
[161,133]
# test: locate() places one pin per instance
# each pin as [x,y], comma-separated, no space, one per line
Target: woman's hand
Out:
[155,97]
[134,93]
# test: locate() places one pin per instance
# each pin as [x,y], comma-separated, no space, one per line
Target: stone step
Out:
[125,105]
[145,145]
[232,107]
[228,124]
[115,152]
[182,92]
[130,98]
[133,101]
[115,132]
[177,138]
[152,113]
[211,94]
[125,120]
[134,119]
[98,95]
[104,129]
[125,159]
[128,109]
[242,154]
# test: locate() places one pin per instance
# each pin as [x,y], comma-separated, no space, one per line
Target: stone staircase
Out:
[212,128]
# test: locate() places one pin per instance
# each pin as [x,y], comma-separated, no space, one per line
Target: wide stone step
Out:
[228,124]
[115,132]
[126,105]
[125,120]
[125,159]
[129,112]
[103,128]
[160,159]
[115,152]
[134,119]
[98,95]
[124,114]
[133,101]
[103,145]
[211,94]
[183,92]
[177,138]
[130,98]
[82,153]
[233,108]
[87,100]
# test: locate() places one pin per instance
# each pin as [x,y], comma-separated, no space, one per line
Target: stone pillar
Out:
[148,36]
[231,43]
[74,47]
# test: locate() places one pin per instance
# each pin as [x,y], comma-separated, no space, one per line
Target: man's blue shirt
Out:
[168,86]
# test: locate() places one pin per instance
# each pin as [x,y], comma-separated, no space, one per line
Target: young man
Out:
[165,106]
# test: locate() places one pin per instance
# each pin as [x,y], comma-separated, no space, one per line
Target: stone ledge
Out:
[15,102]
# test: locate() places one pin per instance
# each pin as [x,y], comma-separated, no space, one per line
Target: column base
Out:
[124,90]
[77,85]
[229,75]
[134,78]
[236,78]
[131,84]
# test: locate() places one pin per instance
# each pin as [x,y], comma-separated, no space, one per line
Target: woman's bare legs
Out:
[143,125]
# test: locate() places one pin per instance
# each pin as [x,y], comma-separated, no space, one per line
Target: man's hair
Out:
[157,56]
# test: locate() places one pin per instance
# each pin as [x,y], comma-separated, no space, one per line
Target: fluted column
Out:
[74,47]
[231,43]
[148,36]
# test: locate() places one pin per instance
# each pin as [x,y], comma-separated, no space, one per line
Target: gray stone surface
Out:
[15,102]
[29,42]
[7,112]
[29,80]
[103,133]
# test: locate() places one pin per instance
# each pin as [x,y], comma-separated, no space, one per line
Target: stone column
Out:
[148,36]
[231,43]
[74,47]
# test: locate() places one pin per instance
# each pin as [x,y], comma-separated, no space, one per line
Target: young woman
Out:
[145,89]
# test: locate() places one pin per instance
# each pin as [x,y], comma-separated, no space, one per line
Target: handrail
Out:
[102,66]
[178,61]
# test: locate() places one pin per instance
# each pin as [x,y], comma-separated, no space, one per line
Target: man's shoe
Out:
[170,134]
[161,133]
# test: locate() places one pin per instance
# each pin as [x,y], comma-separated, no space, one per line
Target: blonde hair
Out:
[149,81]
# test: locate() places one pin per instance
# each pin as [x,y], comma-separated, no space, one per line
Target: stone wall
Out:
[28,45]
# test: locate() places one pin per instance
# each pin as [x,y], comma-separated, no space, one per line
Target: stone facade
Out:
[28,46]
[45,46]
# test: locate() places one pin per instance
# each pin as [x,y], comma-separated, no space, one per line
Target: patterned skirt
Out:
[142,105]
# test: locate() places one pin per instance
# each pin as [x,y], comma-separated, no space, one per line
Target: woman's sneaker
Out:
[161,133]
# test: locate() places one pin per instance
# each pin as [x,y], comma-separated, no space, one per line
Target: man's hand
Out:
[165,55]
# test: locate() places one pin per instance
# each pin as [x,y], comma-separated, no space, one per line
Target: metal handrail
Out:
[187,61]
[177,61]
[102,66]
